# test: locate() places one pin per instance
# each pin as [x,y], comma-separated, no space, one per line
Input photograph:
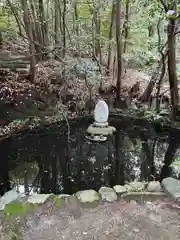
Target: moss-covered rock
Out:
[8,197]
[18,208]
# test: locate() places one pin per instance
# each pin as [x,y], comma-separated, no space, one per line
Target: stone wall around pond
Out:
[105,193]
[14,202]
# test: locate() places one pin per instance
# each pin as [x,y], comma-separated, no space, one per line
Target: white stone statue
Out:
[101,114]
[100,130]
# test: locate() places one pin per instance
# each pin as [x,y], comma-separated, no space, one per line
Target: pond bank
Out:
[79,217]
[35,123]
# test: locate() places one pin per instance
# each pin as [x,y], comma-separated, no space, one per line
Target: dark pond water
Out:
[50,160]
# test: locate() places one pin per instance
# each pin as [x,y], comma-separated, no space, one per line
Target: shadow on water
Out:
[49,161]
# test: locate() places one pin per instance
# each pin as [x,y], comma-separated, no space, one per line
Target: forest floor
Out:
[108,221]
[33,98]
[21,100]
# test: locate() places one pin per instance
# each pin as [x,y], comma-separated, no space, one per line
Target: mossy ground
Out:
[15,213]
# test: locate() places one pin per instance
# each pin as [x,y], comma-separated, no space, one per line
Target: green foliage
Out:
[6,19]
[84,12]
[141,45]
[58,202]
[3,22]
[18,209]
[17,122]
[105,23]
[153,115]
[177,159]
[176,163]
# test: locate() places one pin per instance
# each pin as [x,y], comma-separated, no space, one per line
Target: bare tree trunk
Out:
[126,26]
[172,67]
[147,92]
[98,35]
[60,17]
[76,18]
[36,31]
[93,34]
[111,35]
[57,24]
[1,39]
[119,51]
[28,27]
[43,22]
[64,29]
[39,28]
[163,69]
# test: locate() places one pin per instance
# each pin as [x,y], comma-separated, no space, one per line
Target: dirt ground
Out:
[107,221]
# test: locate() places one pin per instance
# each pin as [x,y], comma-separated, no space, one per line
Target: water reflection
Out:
[50,161]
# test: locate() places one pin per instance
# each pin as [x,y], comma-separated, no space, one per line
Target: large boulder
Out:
[154,186]
[87,196]
[135,186]
[108,194]
[172,187]
[38,198]
[8,198]
[119,189]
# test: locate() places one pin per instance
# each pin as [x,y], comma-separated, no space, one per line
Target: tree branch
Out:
[164,5]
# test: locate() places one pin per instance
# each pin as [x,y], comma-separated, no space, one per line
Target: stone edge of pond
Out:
[29,205]
[105,194]
[172,187]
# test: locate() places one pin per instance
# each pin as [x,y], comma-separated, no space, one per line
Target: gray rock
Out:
[135,186]
[38,198]
[144,196]
[136,230]
[8,197]
[99,130]
[172,187]
[119,189]
[88,196]
[133,202]
[136,194]
[63,196]
[154,186]
[108,194]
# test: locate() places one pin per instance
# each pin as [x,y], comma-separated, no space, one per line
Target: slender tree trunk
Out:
[172,68]
[126,26]
[119,51]
[29,31]
[76,18]
[56,24]
[43,22]
[111,35]
[98,35]
[64,29]
[1,39]
[36,31]
[60,17]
